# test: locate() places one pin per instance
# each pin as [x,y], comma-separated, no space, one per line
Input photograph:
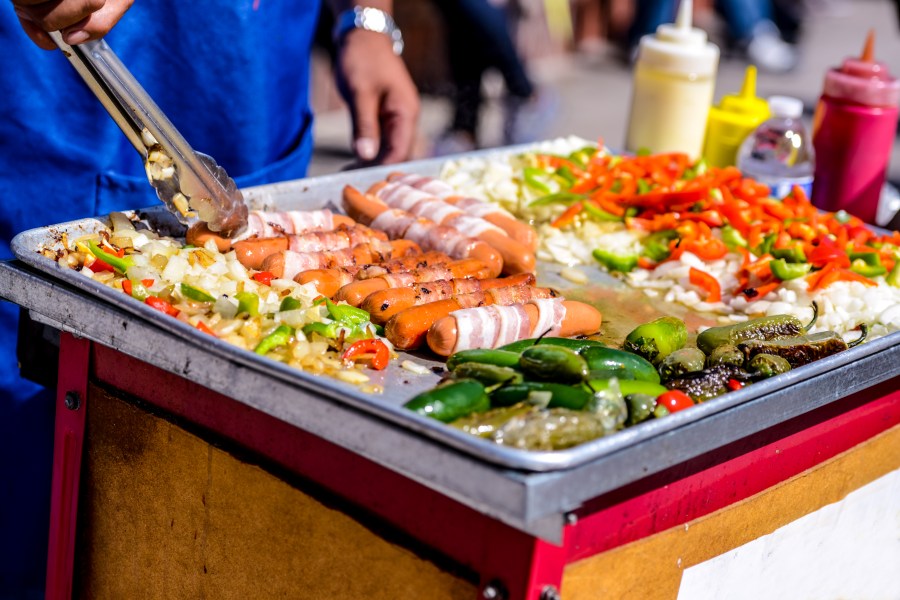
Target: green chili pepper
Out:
[785,271]
[572,344]
[562,396]
[487,374]
[802,349]
[612,359]
[683,360]
[450,401]
[499,357]
[616,262]
[657,339]
[533,178]
[733,238]
[248,302]
[790,255]
[726,354]
[768,365]
[345,313]
[280,337]
[628,386]
[195,293]
[290,303]
[119,264]
[485,424]
[553,363]
[598,213]
[557,198]
[762,328]
[893,278]
[867,264]
[640,408]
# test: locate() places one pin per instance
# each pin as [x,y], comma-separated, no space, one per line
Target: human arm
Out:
[383,101]
[78,20]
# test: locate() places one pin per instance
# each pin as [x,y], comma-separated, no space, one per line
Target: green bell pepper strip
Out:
[533,177]
[565,173]
[326,330]
[766,246]
[194,293]
[451,401]
[280,337]
[733,238]
[248,302]
[656,245]
[498,357]
[893,278]
[616,262]
[345,313]
[643,186]
[791,255]
[289,303]
[785,271]
[598,213]
[582,155]
[557,198]
[867,264]
[119,264]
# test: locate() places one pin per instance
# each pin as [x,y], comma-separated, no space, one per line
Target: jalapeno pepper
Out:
[768,365]
[280,337]
[378,352]
[623,263]
[553,363]
[565,396]
[627,386]
[487,374]
[683,360]
[611,359]
[120,264]
[195,293]
[763,328]
[498,357]
[657,339]
[572,344]
[802,349]
[485,424]
[786,271]
[640,408]
[248,302]
[450,401]
[708,383]
[726,354]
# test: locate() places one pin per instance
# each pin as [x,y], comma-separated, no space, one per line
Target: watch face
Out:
[370,19]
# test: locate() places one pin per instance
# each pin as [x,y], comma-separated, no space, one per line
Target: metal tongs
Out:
[191,184]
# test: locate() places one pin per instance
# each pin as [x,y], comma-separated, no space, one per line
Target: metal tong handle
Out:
[134,111]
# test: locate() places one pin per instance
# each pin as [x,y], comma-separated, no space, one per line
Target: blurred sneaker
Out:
[768,51]
[529,119]
[453,142]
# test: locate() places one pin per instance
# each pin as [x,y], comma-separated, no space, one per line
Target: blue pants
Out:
[740,16]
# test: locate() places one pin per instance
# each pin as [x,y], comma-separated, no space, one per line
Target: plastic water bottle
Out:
[779,152]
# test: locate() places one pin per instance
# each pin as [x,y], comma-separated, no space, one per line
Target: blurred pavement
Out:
[595,93]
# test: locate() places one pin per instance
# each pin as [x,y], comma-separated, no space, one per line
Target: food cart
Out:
[186,467]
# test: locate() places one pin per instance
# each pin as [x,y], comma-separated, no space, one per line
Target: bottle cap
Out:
[680,48]
[785,107]
[863,80]
[736,116]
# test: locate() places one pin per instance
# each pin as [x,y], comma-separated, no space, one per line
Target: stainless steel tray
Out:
[623,308]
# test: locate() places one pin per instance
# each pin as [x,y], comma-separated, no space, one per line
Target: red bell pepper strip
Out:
[161,305]
[663,199]
[264,277]
[99,265]
[126,286]
[706,282]
[205,328]
[568,217]
[380,355]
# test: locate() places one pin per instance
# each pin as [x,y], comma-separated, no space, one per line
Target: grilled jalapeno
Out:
[553,363]
[657,339]
[611,359]
[726,354]
[565,396]
[572,344]
[553,429]
[768,365]
[485,424]
[683,360]
[802,349]
[762,328]
[450,401]
[708,383]
[501,358]
[640,408]
[487,374]
[628,386]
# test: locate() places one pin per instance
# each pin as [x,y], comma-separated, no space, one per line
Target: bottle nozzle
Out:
[868,54]
[685,19]
[748,90]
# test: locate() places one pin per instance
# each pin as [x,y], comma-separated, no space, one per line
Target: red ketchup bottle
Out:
[853,133]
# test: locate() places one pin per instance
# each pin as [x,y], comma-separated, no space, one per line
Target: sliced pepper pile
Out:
[680,206]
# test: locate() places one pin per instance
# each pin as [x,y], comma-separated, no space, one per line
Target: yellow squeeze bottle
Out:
[673,88]
[736,116]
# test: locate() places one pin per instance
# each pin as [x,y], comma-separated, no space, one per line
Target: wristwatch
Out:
[370,19]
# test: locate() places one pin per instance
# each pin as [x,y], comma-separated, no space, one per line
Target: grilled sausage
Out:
[252,252]
[270,224]
[287,264]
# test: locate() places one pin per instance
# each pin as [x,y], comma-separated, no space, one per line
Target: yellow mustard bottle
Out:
[736,116]
[673,86]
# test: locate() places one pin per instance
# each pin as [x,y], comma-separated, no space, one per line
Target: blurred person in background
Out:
[749,25]
[479,38]
[234,78]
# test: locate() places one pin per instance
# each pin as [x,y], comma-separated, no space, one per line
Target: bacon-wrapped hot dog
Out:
[493,326]
[384,304]
[252,252]
[270,224]
[517,258]
[425,232]
[355,292]
[287,264]
[521,232]
[407,329]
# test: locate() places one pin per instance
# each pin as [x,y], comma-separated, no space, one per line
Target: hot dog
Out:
[471,329]
[402,265]
[287,264]
[521,232]
[329,281]
[252,252]
[355,292]
[384,304]
[517,258]
[425,232]
[407,329]
[270,224]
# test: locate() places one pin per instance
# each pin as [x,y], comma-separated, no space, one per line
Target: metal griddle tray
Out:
[679,435]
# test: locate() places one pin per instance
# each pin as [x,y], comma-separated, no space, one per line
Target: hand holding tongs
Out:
[190,183]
